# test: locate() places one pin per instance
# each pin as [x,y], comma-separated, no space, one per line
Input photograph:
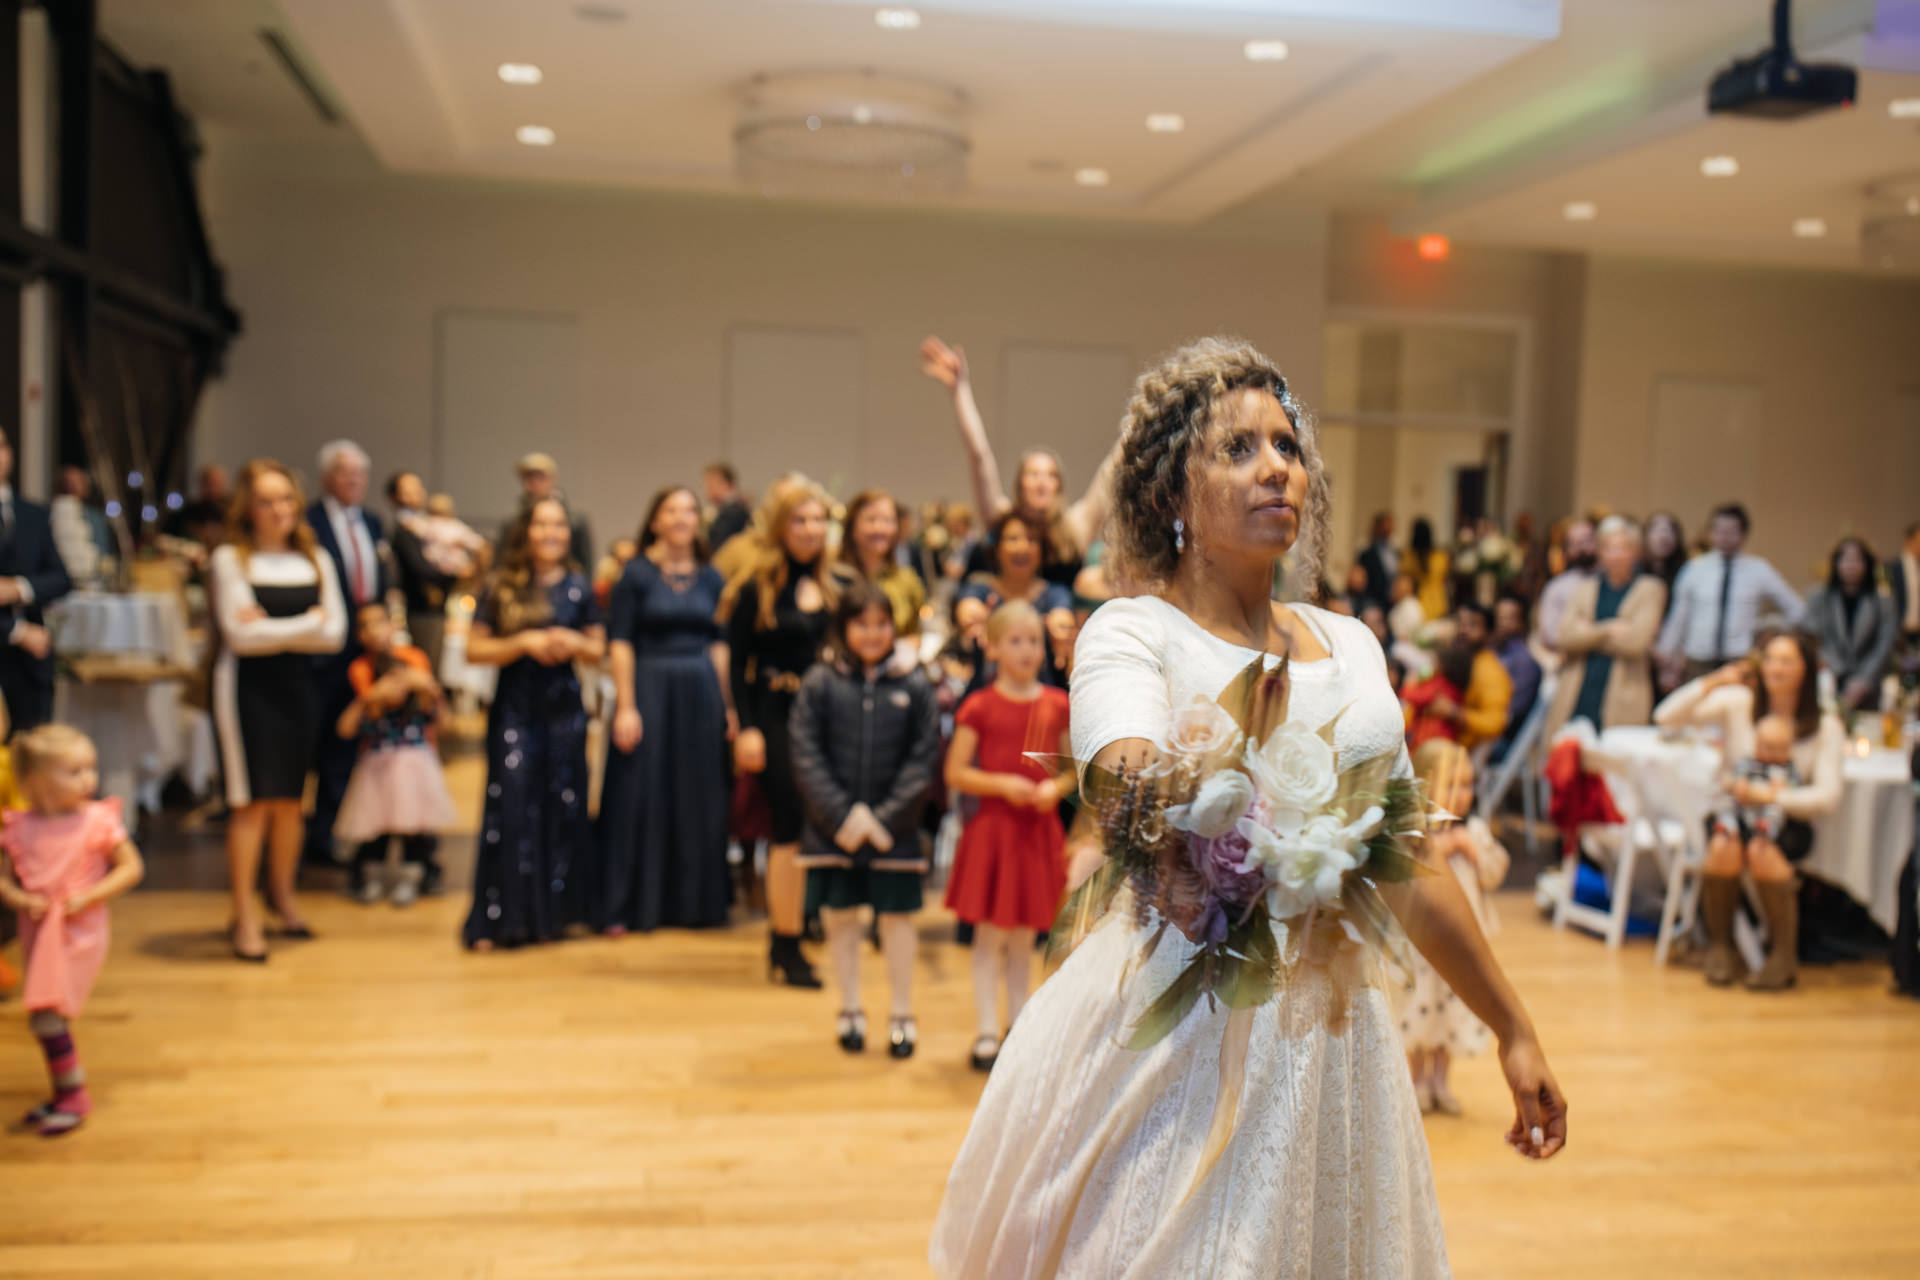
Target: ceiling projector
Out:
[1776,85]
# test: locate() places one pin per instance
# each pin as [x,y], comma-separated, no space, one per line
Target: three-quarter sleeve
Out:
[1120,688]
[739,636]
[623,610]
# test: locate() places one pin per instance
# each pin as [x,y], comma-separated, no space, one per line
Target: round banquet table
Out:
[141,727]
[1860,847]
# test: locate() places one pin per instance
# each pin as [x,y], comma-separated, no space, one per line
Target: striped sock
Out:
[70,1100]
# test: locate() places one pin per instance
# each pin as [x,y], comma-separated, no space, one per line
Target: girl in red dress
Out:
[1009,872]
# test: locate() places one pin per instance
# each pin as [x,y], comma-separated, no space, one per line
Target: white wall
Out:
[341,270]
[1367,267]
[1836,361]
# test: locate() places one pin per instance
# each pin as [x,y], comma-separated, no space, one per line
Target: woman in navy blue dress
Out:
[663,810]
[535,874]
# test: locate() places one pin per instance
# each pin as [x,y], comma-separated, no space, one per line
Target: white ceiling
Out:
[1051,85]
[1469,117]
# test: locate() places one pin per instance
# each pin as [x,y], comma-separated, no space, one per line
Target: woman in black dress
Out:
[663,810]
[276,603]
[534,875]
[776,618]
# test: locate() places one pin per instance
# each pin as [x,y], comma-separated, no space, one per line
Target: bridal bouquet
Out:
[1248,836]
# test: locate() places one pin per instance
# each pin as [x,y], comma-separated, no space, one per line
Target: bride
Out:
[1295,1150]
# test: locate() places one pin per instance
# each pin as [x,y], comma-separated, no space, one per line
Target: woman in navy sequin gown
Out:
[536,873]
[663,810]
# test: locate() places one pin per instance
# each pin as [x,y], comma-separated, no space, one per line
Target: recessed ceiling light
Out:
[896,19]
[1913,205]
[534,135]
[1266,50]
[1166,122]
[519,73]
[813,124]
[1719,167]
[1809,228]
[1580,211]
[863,114]
[1904,108]
[1090,177]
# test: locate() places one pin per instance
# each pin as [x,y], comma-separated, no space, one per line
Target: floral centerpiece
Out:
[1247,835]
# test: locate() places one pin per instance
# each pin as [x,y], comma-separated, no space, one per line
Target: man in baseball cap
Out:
[540,479]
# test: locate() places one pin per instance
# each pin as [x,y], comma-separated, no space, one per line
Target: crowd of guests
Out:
[1632,629]
[825,680]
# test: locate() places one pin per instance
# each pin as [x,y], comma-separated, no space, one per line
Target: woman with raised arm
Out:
[1039,490]
[1256,1132]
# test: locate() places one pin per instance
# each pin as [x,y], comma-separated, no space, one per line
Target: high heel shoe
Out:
[853,1031]
[788,966]
[903,1037]
[249,957]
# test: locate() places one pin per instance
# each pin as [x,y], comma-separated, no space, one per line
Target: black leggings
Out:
[417,848]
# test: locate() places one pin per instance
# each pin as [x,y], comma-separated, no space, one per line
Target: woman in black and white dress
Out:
[276,602]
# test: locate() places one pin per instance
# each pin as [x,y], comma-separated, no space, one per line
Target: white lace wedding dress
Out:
[1083,1156]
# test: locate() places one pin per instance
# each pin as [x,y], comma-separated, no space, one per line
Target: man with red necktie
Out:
[352,535]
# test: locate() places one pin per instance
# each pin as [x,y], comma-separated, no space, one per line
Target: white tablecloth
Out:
[1859,847]
[139,624]
[144,732]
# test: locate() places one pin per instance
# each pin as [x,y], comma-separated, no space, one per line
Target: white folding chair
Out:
[1525,764]
[1616,847]
[1680,850]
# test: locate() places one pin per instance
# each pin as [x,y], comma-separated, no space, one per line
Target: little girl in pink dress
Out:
[63,860]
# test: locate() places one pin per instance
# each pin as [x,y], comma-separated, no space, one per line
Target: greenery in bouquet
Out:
[1245,834]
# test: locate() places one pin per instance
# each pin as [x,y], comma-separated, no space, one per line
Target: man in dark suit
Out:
[730,514]
[31,578]
[1903,576]
[351,535]
[1380,561]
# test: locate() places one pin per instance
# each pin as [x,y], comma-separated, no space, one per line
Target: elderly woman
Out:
[1854,623]
[1786,668]
[1607,632]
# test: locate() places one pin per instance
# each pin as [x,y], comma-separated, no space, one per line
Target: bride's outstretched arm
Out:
[1440,922]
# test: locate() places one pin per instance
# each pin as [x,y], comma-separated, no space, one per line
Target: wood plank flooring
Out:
[381,1104]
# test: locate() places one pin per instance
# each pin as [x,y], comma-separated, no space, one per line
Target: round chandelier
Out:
[852,133]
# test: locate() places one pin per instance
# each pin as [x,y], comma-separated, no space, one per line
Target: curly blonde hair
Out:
[1161,449]
[768,568]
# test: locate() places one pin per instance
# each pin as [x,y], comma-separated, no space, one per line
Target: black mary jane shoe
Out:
[986,1051]
[903,1037]
[852,1028]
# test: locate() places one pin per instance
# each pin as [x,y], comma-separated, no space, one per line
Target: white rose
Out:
[1220,802]
[1293,770]
[1307,865]
[1203,729]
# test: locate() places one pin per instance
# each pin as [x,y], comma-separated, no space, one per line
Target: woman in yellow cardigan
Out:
[1429,567]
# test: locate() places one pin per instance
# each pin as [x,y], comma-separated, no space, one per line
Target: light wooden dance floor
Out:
[381,1104]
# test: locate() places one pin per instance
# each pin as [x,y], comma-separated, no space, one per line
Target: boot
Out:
[787,965]
[1780,901]
[1719,899]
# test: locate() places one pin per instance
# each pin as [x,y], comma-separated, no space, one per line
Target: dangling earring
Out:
[1179,535]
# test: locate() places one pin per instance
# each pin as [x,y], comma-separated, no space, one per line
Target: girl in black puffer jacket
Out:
[865,742]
